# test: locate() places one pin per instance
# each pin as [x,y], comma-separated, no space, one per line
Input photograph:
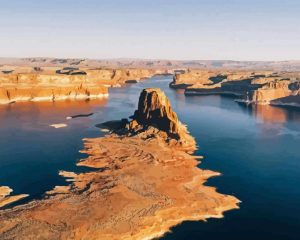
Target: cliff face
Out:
[118,76]
[155,111]
[50,93]
[275,91]
[188,78]
[270,92]
[263,87]
[63,84]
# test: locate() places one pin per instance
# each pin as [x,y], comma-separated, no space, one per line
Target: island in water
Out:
[143,180]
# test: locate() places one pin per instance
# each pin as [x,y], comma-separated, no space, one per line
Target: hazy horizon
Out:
[148,59]
[265,30]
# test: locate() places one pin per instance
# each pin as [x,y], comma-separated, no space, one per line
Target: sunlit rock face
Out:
[52,84]
[155,111]
[272,91]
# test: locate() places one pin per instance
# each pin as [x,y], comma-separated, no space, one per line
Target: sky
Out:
[151,29]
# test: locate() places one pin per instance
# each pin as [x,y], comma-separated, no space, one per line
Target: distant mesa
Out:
[66,82]
[258,87]
[154,64]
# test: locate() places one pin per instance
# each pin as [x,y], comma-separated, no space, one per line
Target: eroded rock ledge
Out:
[259,87]
[54,84]
[144,182]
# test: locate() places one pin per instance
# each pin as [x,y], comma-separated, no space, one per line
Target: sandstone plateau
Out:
[143,180]
[53,84]
[259,87]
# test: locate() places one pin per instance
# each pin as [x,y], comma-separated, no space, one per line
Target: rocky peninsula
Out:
[257,87]
[143,180]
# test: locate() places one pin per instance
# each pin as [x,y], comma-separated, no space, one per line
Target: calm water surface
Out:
[256,150]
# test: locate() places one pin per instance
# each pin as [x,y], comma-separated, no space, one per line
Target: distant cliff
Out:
[260,87]
[67,83]
[282,92]
[154,63]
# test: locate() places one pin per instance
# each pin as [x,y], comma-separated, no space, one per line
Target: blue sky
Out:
[165,29]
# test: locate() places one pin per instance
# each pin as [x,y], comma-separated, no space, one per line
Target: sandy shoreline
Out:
[6,198]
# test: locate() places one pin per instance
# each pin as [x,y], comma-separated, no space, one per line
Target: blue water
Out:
[255,148]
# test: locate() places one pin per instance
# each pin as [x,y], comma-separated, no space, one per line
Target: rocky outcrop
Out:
[276,92]
[190,77]
[213,78]
[234,87]
[263,87]
[155,111]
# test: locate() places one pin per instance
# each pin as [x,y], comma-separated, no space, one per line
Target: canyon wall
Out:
[261,87]
[282,92]
[60,84]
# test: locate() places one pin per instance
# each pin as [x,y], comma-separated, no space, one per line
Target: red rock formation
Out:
[183,80]
[154,110]
[52,86]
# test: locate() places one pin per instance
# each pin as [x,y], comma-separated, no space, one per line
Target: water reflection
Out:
[267,113]
[39,115]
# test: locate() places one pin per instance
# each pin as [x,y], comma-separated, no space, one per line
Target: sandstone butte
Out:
[143,181]
[53,84]
[259,87]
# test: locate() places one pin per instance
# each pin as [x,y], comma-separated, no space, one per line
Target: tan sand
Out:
[5,197]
